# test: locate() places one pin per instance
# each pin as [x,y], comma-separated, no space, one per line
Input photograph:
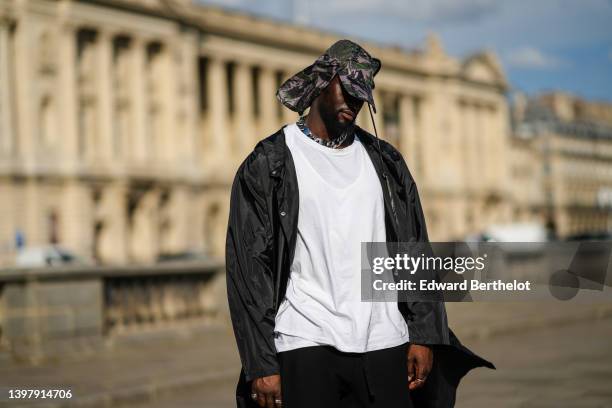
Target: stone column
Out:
[6,126]
[217,146]
[471,140]
[492,154]
[378,116]
[407,129]
[245,125]
[464,141]
[68,94]
[168,139]
[419,139]
[77,217]
[143,236]
[138,141]
[365,122]
[215,222]
[267,91]
[289,116]
[177,211]
[463,165]
[24,81]
[31,210]
[105,96]
[475,164]
[476,161]
[113,246]
[188,90]
[502,146]
[500,135]
[483,168]
[428,139]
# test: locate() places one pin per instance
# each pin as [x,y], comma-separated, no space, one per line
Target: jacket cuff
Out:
[427,323]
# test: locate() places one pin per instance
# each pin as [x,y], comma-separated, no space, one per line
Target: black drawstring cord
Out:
[377,141]
[382,167]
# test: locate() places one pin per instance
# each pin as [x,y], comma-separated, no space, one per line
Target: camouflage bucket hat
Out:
[355,67]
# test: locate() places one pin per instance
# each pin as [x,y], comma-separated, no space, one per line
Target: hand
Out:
[420,359]
[267,391]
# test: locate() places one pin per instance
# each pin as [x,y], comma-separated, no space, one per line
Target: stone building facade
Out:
[122,123]
[562,166]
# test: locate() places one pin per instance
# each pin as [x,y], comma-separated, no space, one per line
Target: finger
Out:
[254,391]
[270,401]
[420,371]
[411,369]
[420,374]
[278,399]
[261,400]
[415,385]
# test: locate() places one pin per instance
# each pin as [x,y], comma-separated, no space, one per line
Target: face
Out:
[338,108]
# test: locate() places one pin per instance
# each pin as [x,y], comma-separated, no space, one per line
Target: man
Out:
[302,202]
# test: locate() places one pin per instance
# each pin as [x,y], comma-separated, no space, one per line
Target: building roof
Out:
[431,60]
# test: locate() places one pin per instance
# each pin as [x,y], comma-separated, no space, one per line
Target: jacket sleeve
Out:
[248,259]
[427,323]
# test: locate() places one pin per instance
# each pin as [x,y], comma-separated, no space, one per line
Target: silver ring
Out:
[420,379]
[254,395]
[278,402]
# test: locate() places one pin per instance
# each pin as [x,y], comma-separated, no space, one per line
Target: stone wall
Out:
[48,312]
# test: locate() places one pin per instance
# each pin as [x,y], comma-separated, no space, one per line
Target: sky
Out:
[543,45]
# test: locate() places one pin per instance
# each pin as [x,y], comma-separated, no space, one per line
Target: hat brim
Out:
[298,92]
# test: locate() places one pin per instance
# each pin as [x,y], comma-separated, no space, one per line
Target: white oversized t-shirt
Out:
[340,206]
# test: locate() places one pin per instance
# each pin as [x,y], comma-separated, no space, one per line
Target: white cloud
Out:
[533,58]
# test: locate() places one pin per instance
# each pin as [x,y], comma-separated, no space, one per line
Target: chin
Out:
[348,124]
[343,126]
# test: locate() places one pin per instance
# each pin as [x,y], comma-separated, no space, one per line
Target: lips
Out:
[347,114]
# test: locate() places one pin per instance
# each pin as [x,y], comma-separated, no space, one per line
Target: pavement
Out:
[562,350]
[550,367]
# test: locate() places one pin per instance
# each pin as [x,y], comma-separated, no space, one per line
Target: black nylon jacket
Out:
[261,237]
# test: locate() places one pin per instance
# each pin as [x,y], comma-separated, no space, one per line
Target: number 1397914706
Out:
[39,394]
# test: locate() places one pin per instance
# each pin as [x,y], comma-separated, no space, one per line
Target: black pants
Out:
[322,376]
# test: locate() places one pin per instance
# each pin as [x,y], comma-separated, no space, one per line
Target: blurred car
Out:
[591,236]
[48,255]
[516,232]
[519,238]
